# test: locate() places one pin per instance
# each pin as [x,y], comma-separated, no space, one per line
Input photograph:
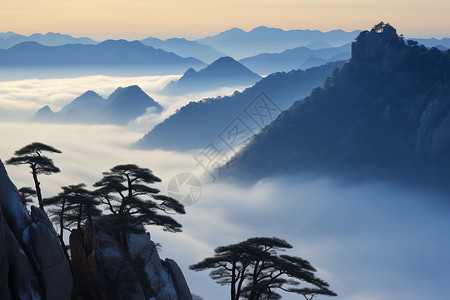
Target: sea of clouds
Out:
[370,240]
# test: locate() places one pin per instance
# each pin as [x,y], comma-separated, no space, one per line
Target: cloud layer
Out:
[20,99]
[369,241]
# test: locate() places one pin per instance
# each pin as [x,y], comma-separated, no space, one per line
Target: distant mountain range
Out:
[10,39]
[441,44]
[260,38]
[110,52]
[185,48]
[224,72]
[240,44]
[297,58]
[385,115]
[199,123]
[122,106]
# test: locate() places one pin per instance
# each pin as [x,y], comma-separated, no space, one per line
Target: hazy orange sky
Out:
[135,19]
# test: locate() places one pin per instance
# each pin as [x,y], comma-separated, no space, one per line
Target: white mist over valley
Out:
[374,235]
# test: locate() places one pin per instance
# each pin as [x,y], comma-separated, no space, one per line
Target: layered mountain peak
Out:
[225,63]
[189,72]
[228,66]
[88,96]
[379,44]
[386,113]
[44,114]
[122,106]
[46,109]
[223,72]
[132,93]
[128,103]
[86,104]
[132,96]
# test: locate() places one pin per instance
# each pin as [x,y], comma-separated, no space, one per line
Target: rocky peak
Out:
[46,109]
[381,44]
[190,72]
[384,115]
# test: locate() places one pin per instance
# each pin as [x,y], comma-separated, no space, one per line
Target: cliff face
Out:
[33,265]
[32,261]
[384,115]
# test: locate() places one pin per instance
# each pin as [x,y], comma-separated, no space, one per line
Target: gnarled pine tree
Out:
[72,206]
[255,271]
[39,164]
[126,191]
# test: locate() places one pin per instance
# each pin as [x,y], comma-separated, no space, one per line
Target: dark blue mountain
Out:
[10,39]
[110,52]
[126,104]
[198,123]
[84,109]
[122,106]
[297,58]
[185,48]
[385,115]
[239,44]
[45,114]
[224,72]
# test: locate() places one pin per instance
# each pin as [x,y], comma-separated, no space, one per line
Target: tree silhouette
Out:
[32,155]
[25,193]
[126,191]
[379,27]
[73,205]
[255,271]
[57,211]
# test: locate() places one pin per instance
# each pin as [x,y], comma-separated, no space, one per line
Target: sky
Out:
[136,19]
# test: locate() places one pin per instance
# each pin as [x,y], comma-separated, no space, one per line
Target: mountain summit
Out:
[125,104]
[224,72]
[122,106]
[385,114]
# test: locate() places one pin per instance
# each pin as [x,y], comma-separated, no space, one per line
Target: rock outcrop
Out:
[103,265]
[32,261]
[106,267]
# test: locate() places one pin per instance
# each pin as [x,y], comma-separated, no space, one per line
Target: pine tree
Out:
[255,271]
[25,193]
[126,191]
[72,206]
[39,164]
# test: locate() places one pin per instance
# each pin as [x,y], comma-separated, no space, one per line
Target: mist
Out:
[20,99]
[371,240]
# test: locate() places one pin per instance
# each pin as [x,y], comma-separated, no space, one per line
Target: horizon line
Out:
[199,37]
